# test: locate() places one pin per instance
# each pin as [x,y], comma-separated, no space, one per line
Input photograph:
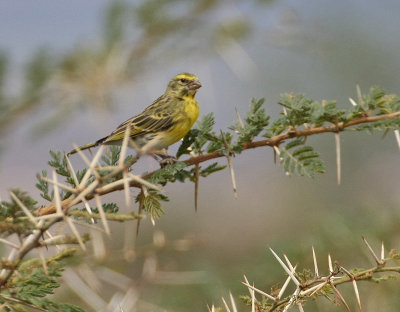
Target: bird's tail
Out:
[87,146]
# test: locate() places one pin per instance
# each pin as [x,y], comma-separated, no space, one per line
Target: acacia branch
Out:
[364,275]
[273,141]
[31,242]
[311,286]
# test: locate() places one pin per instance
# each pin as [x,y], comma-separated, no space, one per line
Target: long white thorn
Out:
[76,233]
[239,118]
[330,263]
[357,294]
[145,183]
[57,198]
[72,171]
[258,291]
[285,268]
[252,294]
[230,165]
[292,300]
[288,262]
[44,264]
[63,186]
[90,169]
[24,209]
[313,289]
[102,214]
[226,305]
[359,95]
[378,262]
[354,103]
[397,136]
[338,159]
[89,296]
[124,145]
[315,263]
[4,241]
[50,236]
[85,160]
[88,225]
[83,194]
[340,296]
[253,300]
[126,189]
[285,284]
[233,303]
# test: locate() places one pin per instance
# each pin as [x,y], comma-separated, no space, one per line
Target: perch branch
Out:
[272,142]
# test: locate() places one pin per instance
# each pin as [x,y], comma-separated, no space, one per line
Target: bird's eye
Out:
[184,80]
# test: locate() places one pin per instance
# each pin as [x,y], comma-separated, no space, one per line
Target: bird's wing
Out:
[155,118]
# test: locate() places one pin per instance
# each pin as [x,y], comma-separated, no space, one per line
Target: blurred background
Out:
[70,72]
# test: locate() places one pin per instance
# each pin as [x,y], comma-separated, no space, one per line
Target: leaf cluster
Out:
[12,209]
[12,218]
[301,159]
[33,284]
[298,113]
[202,134]
[59,163]
[255,122]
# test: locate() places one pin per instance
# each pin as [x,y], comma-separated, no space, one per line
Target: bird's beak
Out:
[194,85]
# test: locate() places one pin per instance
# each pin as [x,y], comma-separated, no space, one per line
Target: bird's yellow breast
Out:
[184,124]
[191,109]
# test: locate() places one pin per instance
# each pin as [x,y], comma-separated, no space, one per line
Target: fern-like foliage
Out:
[12,218]
[255,122]
[11,208]
[32,285]
[301,159]
[152,204]
[201,134]
[300,117]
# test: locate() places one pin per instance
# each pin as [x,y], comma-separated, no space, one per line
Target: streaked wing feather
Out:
[155,118]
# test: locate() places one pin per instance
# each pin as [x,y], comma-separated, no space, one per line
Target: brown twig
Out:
[273,141]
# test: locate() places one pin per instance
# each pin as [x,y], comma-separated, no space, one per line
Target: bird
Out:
[166,121]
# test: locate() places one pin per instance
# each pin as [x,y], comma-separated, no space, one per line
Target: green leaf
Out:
[211,169]
[32,285]
[152,205]
[43,186]
[59,163]
[205,133]
[12,209]
[299,109]
[301,159]
[187,142]
[168,173]
[110,156]
[205,123]
[256,121]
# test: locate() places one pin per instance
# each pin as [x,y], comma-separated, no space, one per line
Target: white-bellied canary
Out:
[164,122]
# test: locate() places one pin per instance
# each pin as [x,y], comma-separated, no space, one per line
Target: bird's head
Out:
[184,84]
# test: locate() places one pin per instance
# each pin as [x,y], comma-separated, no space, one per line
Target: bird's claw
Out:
[167,161]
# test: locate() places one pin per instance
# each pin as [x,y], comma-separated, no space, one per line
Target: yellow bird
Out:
[164,122]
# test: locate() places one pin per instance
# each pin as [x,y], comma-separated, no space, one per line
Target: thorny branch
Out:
[92,185]
[43,223]
[195,160]
[318,285]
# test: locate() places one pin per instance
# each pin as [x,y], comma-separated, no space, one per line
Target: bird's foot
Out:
[169,160]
